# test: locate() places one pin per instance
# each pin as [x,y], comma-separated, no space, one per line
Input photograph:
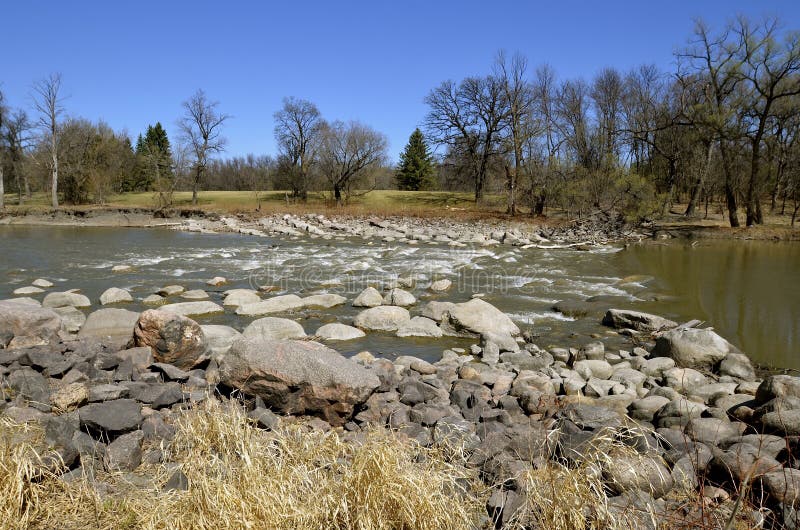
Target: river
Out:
[747,290]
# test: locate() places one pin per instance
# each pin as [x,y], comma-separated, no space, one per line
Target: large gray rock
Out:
[298,377]
[115,323]
[625,472]
[369,297]
[436,310]
[274,328]
[276,304]
[778,386]
[64,299]
[240,297]
[481,318]
[172,338]
[419,327]
[622,318]
[323,301]
[72,318]
[124,453]
[187,309]
[119,415]
[693,348]
[399,297]
[383,318]
[219,339]
[337,331]
[115,295]
[23,325]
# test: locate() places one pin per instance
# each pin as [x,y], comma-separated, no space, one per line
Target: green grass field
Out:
[377,202]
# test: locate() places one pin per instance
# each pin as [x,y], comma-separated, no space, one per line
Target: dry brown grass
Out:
[243,477]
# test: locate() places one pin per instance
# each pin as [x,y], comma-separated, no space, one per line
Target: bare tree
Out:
[469,117]
[298,127]
[201,129]
[48,104]
[350,151]
[715,61]
[519,102]
[771,73]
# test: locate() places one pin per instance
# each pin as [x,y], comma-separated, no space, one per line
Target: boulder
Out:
[219,339]
[187,309]
[216,281]
[481,318]
[369,297]
[625,472]
[69,397]
[170,290]
[399,297]
[778,386]
[441,285]
[298,377]
[337,331]
[382,318]
[64,299]
[436,310]
[323,301]
[195,294]
[23,325]
[124,453]
[41,282]
[119,415]
[274,328]
[117,324]
[115,295]
[622,318]
[153,299]
[276,304]
[172,338]
[419,327]
[693,348]
[240,297]
[72,318]
[24,291]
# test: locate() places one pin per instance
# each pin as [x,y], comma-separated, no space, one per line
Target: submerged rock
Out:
[115,295]
[369,297]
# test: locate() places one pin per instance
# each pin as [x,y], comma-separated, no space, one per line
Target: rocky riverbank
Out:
[681,412]
[413,230]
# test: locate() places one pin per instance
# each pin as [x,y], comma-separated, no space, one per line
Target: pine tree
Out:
[153,158]
[416,170]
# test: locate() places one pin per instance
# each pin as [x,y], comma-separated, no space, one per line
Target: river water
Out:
[749,291]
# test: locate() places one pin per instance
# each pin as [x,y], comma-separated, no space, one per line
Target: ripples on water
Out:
[523,283]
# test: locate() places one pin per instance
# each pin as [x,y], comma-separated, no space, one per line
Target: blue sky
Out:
[133,63]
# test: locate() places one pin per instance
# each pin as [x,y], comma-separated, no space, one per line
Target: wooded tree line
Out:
[719,131]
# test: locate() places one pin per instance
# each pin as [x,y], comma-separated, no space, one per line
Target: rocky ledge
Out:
[689,407]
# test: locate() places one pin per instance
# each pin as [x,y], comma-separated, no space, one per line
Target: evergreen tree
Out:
[153,159]
[415,171]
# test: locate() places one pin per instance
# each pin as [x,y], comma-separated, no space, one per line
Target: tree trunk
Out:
[54,186]
[197,175]
[698,185]
[512,191]
[2,189]
[730,192]
[670,187]
[538,207]
[26,184]
[337,194]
